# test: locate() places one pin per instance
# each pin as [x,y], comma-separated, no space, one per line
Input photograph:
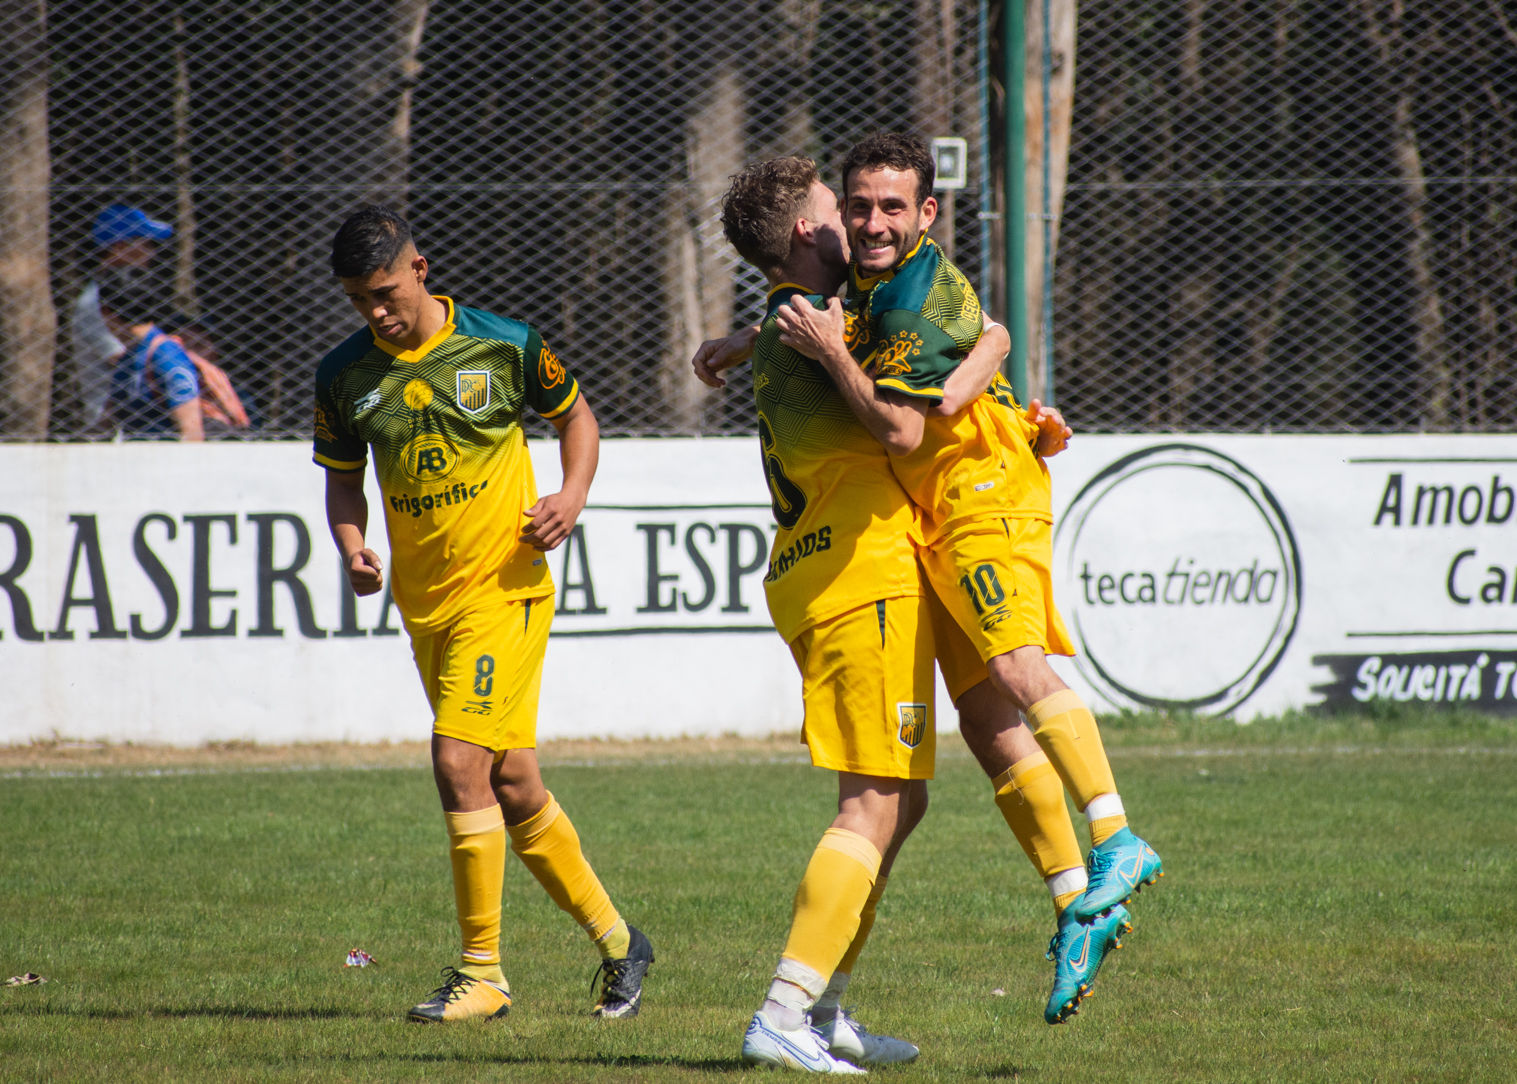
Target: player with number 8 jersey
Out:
[437,391]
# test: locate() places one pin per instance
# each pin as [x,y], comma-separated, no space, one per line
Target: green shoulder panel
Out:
[335,447]
[478,324]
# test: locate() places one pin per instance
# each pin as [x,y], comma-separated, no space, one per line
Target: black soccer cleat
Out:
[621,993]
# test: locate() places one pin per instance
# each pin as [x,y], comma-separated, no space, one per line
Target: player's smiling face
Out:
[883,218]
[391,299]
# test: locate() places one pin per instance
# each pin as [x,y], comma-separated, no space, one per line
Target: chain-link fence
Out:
[1286,214]
[1291,215]
[561,163]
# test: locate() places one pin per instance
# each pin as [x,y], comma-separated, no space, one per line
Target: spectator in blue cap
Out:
[124,237]
[154,386]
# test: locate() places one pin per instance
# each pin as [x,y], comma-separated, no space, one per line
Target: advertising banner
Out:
[180,593]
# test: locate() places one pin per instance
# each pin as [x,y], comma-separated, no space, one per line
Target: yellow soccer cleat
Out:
[462,997]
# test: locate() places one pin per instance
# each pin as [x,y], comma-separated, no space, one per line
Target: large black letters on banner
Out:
[348,629]
[201,592]
[159,576]
[268,576]
[657,579]
[87,544]
[702,566]
[21,606]
[585,585]
[736,569]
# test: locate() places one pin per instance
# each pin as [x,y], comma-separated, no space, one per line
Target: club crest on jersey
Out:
[913,724]
[473,390]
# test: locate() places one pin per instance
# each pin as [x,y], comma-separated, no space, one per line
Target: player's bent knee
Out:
[1024,676]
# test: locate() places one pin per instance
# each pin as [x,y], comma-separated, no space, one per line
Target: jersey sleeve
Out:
[551,389]
[912,355]
[336,448]
[174,372]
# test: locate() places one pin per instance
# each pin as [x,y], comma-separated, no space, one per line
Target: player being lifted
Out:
[987,506]
[1027,789]
[845,591]
[438,391]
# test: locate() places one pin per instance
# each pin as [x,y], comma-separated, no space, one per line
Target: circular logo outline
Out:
[1195,457]
[426,439]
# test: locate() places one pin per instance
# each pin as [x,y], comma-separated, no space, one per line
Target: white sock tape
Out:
[1066,881]
[798,974]
[1104,805]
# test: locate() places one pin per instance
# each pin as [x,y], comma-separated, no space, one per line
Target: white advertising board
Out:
[172,593]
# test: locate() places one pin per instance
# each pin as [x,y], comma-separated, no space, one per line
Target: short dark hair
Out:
[895,150]
[134,294]
[760,209]
[372,238]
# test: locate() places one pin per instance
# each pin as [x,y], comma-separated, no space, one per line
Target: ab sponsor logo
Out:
[1181,580]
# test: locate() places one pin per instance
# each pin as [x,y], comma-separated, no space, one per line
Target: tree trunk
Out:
[1427,312]
[788,47]
[184,175]
[936,30]
[1433,378]
[28,323]
[1060,113]
[698,269]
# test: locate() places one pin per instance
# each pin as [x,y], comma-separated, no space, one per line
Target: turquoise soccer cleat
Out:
[1077,950]
[1118,868]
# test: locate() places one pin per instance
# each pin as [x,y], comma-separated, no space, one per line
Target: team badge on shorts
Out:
[473,390]
[913,724]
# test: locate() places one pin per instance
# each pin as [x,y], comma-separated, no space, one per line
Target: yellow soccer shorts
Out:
[868,687]
[993,577]
[483,673]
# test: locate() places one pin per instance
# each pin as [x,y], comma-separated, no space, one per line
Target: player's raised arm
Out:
[348,519]
[893,419]
[974,374]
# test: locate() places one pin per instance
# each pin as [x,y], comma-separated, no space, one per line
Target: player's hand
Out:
[1053,435]
[812,331]
[365,572]
[553,519]
[717,355]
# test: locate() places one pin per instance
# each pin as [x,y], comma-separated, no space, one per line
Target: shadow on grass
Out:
[609,1061]
[167,1012]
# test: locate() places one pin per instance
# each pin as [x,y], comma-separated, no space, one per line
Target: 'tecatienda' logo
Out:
[1182,579]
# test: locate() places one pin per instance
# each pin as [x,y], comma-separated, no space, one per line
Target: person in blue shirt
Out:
[121,236]
[154,387]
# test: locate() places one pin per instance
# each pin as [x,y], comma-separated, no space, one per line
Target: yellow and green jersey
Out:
[847,531]
[444,421]
[910,328]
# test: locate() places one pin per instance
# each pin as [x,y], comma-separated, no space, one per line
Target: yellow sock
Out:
[490,973]
[616,942]
[549,847]
[1031,799]
[866,923]
[1103,828]
[1067,732]
[477,847]
[831,896]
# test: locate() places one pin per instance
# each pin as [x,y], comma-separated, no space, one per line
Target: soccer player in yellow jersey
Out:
[437,391]
[979,478]
[845,591]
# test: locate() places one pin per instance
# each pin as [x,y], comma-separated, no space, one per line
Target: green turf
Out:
[1334,915]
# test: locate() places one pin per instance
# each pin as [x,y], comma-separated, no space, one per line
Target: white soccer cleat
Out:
[847,1038]
[803,1049]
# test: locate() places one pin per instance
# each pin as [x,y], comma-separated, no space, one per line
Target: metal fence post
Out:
[1014,77]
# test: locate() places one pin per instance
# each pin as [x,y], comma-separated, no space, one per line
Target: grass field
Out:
[1339,907]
